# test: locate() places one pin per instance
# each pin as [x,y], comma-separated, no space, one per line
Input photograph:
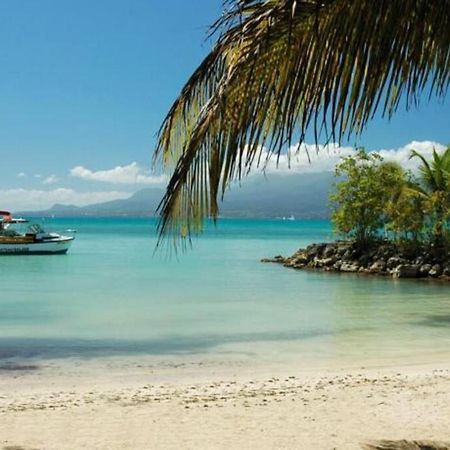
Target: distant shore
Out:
[210,405]
[386,259]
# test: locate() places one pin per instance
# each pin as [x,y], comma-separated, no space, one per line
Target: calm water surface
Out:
[112,295]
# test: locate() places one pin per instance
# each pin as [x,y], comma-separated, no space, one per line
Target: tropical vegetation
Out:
[373,198]
[283,68]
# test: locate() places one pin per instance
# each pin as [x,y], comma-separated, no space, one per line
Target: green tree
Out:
[407,213]
[280,68]
[433,188]
[361,197]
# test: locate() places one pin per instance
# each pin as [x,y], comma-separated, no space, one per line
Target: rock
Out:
[289,262]
[349,267]
[323,262]
[342,247]
[276,259]
[395,261]
[364,260]
[327,262]
[314,250]
[300,258]
[381,259]
[424,270]
[406,271]
[420,260]
[329,251]
[378,266]
[435,271]
[349,255]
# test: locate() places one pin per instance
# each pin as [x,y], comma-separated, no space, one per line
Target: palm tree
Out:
[434,187]
[282,67]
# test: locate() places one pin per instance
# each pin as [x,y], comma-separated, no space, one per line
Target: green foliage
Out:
[433,187]
[407,211]
[373,195]
[360,199]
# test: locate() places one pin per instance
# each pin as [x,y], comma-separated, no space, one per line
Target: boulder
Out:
[276,259]
[435,271]
[395,261]
[329,251]
[314,250]
[342,247]
[324,262]
[350,266]
[424,270]
[420,260]
[289,262]
[300,258]
[364,260]
[349,255]
[406,271]
[378,266]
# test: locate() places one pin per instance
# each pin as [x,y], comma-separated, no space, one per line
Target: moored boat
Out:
[34,240]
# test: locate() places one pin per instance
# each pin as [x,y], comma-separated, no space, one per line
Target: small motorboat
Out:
[34,241]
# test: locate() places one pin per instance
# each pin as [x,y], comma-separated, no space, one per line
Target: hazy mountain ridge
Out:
[300,195]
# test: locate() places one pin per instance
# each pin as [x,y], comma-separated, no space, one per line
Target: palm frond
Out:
[282,67]
[427,173]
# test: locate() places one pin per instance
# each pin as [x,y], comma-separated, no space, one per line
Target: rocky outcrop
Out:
[386,258]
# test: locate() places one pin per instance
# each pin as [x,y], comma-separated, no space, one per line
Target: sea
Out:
[116,294]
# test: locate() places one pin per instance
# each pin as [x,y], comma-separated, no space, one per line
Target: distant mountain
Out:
[301,195]
[305,196]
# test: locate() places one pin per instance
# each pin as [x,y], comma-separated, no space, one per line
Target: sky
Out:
[85,85]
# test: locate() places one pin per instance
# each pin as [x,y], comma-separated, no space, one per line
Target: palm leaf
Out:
[282,67]
[427,173]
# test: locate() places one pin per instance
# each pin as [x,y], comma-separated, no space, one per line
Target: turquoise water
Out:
[112,295]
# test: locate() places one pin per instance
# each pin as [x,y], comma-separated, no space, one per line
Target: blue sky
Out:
[85,85]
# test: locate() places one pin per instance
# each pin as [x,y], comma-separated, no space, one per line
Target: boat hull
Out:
[51,247]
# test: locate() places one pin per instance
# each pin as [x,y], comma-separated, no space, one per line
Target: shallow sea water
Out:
[112,295]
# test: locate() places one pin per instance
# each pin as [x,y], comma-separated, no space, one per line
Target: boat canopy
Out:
[5,216]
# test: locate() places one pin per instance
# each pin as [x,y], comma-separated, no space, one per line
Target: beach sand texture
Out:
[197,408]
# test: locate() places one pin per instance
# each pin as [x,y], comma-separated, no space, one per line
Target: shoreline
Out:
[219,404]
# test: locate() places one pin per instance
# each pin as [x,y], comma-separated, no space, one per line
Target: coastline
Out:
[187,402]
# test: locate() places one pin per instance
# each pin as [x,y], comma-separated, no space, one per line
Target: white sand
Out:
[207,405]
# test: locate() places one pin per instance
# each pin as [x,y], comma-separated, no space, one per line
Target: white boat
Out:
[34,241]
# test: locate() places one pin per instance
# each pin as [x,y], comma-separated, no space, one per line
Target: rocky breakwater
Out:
[383,259]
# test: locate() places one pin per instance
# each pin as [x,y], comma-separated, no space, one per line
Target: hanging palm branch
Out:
[282,67]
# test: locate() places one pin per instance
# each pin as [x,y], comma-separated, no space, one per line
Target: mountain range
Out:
[304,196]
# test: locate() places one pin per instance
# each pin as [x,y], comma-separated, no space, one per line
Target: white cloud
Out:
[312,158]
[401,155]
[21,174]
[131,174]
[307,158]
[52,179]
[35,199]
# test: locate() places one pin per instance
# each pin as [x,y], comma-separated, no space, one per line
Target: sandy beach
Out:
[208,405]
